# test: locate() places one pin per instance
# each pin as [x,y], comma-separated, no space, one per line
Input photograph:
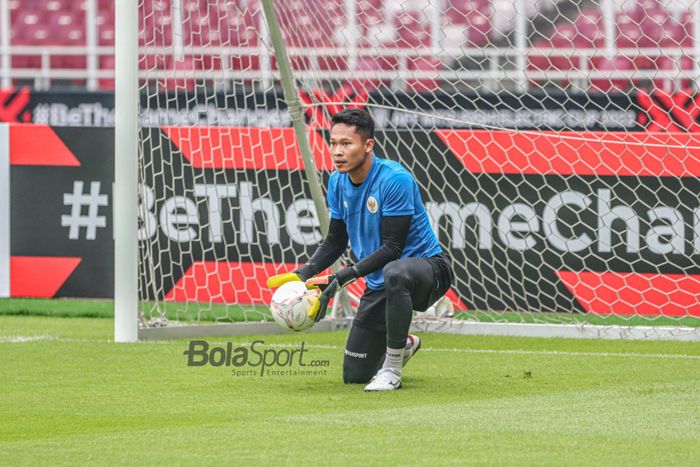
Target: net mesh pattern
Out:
[553,142]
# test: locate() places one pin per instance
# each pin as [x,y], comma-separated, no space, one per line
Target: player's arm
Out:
[394,234]
[332,247]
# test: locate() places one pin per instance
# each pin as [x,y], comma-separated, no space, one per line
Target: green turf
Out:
[575,318]
[80,308]
[57,308]
[72,396]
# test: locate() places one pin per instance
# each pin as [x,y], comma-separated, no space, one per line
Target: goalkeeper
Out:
[376,205]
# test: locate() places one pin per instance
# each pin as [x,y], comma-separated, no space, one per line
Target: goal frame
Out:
[126,327]
[126,294]
[125,197]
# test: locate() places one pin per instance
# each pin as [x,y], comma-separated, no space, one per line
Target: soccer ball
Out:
[290,306]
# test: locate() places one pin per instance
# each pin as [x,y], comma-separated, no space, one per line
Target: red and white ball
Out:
[291,304]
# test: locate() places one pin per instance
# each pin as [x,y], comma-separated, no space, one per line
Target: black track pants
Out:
[384,316]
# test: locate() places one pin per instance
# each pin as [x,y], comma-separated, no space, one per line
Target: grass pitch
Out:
[70,395]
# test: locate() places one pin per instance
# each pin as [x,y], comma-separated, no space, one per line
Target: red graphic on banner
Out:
[227,282]
[38,145]
[666,111]
[628,294]
[575,153]
[321,105]
[39,276]
[233,282]
[456,301]
[246,148]
[14,103]
[245,283]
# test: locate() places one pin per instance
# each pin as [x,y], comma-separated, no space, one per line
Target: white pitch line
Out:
[22,339]
[569,354]
[498,351]
[527,352]
[45,337]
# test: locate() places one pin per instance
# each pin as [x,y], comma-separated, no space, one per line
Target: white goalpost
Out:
[126,319]
[554,148]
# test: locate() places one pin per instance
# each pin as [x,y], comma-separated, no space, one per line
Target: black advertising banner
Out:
[555,111]
[546,221]
[60,208]
[535,111]
[23,104]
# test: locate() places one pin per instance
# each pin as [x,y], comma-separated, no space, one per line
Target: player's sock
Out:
[412,346]
[394,360]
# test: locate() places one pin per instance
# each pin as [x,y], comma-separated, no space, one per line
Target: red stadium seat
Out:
[25,22]
[105,18]
[667,32]
[304,29]
[475,15]
[179,81]
[29,28]
[680,32]
[568,38]
[158,28]
[646,8]
[656,27]
[368,65]
[411,31]
[629,32]
[421,84]
[239,29]
[369,14]
[235,23]
[69,32]
[589,26]
[456,9]
[195,33]
[242,30]
[104,5]
[106,35]
[106,63]
[632,34]
[68,28]
[674,65]
[479,27]
[605,64]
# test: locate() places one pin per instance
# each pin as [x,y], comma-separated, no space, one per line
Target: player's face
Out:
[351,152]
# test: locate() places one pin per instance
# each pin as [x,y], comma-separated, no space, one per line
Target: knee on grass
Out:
[357,375]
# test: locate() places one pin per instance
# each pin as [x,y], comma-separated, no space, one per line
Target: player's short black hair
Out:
[359,118]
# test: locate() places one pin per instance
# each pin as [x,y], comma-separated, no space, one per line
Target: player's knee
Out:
[356,371]
[395,276]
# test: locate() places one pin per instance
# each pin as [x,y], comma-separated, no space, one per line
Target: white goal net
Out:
[555,144]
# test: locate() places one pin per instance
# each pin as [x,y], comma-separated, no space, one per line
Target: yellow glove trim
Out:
[275,281]
[314,308]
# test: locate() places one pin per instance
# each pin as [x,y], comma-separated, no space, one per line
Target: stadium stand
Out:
[464,23]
